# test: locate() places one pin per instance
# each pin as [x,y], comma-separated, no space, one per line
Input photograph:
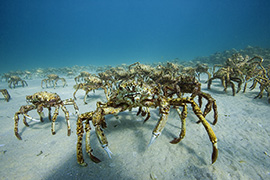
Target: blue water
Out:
[58,33]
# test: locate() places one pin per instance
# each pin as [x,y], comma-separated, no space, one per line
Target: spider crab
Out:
[131,94]
[91,84]
[42,100]
[81,76]
[264,81]
[189,84]
[237,69]
[53,79]
[14,80]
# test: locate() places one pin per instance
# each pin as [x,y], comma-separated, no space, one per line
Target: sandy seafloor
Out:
[242,130]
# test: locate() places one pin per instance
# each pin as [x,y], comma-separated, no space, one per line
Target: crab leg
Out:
[98,119]
[28,117]
[199,114]
[103,140]
[23,110]
[159,127]
[56,112]
[144,112]
[5,94]
[86,116]
[63,81]
[80,132]
[208,107]
[72,102]
[87,90]
[77,87]
[208,128]
[164,111]
[183,117]
[87,142]
[64,109]
[39,111]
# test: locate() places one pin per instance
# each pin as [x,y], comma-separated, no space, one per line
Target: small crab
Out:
[202,68]
[264,81]
[15,80]
[81,76]
[237,69]
[52,80]
[42,100]
[92,83]
[227,75]
[5,94]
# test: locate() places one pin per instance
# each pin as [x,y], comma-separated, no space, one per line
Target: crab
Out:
[91,84]
[190,71]
[53,79]
[120,73]
[106,76]
[5,94]
[42,100]
[227,75]
[6,76]
[15,80]
[252,69]
[189,84]
[264,81]
[202,68]
[81,76]
[70,74]
[140,70]
[238,69]
[131,94]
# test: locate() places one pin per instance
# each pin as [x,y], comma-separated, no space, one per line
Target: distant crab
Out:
[5,94]
[15,80]
[52,80]
[237,69]
[92,83]
[264,81]
[227,76]
[202,68]
[81,76]
[42,100]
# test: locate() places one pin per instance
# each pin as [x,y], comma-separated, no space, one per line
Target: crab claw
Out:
[153,138]
[108,151]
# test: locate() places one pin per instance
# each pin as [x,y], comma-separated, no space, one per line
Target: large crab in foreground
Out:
[52,80]
[132,94]
[42,100]
[5,94]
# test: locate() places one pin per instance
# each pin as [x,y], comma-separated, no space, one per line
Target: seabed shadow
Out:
[70,169]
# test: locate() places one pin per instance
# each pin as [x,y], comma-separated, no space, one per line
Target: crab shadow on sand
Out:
[115,168]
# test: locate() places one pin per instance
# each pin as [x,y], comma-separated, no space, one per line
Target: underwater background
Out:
[110,32]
